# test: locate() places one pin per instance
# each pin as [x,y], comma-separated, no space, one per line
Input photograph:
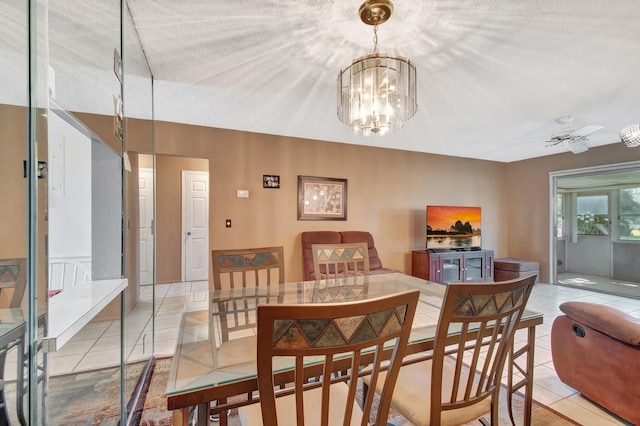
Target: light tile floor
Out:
[97,344]
[600,284]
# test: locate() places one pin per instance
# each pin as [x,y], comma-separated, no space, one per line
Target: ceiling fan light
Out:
[630,135]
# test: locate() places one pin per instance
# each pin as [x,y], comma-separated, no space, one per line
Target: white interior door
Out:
[195,225]
[145,195]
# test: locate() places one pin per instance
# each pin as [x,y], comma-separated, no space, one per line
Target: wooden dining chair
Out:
[13,275]
[249,267]
[332,291]
[242,268]
[332,261]
[332,336]
[236,316]
[462,380]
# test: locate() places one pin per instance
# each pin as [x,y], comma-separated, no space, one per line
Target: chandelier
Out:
[377,92]
[630,135]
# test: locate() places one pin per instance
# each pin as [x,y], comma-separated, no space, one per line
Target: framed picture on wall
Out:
[321,198]
[270,181]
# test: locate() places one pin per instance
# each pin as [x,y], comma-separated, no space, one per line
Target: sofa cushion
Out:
[605,319]
[363,237]
[315,237]
[344,237]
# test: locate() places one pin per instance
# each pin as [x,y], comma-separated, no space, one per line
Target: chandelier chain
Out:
[375,38]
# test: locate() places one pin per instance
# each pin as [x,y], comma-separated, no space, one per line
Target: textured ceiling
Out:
[493,75]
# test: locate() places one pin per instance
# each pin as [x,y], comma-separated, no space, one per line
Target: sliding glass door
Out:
[69,192]
[23,209]
[596,228]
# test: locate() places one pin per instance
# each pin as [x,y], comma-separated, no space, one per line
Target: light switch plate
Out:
[242,193]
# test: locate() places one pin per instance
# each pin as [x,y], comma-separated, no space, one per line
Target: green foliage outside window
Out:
[629,228]
[593,224]
[593,215]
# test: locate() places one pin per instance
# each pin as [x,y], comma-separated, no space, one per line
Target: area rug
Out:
[155,408]
[90,398]
[155,411]
[83,399]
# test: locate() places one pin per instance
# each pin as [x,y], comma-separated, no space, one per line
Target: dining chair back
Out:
[234,318]
[462,380]
[332,261]
[250,267]
[345,290]
[13,275]
[318,340]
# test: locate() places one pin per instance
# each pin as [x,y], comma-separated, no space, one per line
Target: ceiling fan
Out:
[571,138]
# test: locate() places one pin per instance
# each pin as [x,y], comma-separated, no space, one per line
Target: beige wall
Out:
[387,190]
[13,207]
[13,198]
[528,189]
[13,204]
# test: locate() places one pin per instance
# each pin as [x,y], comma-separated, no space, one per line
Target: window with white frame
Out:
[629,223]
[592,214]
[559,216]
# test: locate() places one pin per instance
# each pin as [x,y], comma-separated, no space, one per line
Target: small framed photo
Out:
[270,181]
[322,198]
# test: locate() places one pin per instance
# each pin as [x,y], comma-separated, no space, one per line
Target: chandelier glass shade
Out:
[630,135]
[377,92]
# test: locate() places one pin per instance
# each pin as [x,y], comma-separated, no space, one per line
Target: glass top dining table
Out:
[215,357]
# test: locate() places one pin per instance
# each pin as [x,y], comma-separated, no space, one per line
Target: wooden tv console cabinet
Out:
[452,266]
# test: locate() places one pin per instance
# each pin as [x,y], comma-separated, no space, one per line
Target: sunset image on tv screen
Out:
[453,226]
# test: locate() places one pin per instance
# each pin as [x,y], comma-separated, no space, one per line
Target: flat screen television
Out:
[453,228]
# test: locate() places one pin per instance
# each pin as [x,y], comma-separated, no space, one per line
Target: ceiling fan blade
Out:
[576,146]
[586,130]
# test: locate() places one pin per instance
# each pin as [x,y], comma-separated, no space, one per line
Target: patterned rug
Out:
[90,398]
[155,408]
[155,411]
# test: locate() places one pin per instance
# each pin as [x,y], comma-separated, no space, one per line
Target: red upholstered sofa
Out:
[342,237]
[596,350]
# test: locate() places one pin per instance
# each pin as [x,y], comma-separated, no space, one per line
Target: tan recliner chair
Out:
[596,350]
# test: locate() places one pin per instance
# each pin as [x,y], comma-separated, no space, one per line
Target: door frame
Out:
[553,192]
